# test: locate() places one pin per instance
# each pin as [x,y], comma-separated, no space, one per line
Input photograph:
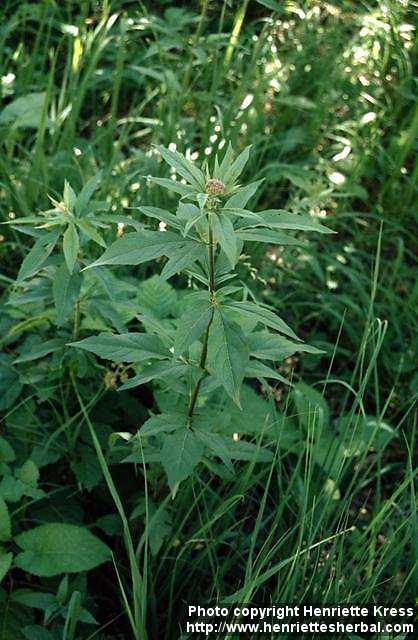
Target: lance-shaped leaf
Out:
[41,350]
[162,215]
[124,347]
[193,322]
[271,346]
[237,166]
[182,258]
[269,236]
[225,235]
[263,315]
[184,167]
[217,444]
[173,185]
[65,288]
[157,370]
[37,256]
[90,231]
[278,219]
[227,354]
[257,369]
[163,423]
[181,452]
[242,196]
[243,450]
[136,248]
[71,246]
[86,193]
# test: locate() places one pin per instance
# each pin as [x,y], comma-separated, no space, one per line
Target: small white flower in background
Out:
[342,155]
[8,79]
[370,116]
[162,226]
[121,227]
[332,284]
[71,29]
[247,101]
[336,178]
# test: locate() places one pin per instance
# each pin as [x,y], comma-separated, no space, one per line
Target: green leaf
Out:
[65,288]
[270,346]
[193,322]
[242,196]
[24,112]
[6,451]
[138,247]
[181,452]
[225,164]
[173,185]
[227,354]
[90,231]
[271,237]
[124,347]
[181,259]
[69,196]
[157,296]
[28,474]
[41,350]
[86,193]
[55,548]
[162,423]
[184,167]
[217,445]
[36,632]
[271,4]
[277,219]
[5,563]
[242,450]
[225,235]
[5,524]
[71,246]
[263,315]
[161,214]
[36,257]
[159,370]
[10,386]
[237,166]
[259,370]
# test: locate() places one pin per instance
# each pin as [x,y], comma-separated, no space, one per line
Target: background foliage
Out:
[325,92]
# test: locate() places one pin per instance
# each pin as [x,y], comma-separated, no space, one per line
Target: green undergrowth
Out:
[318,503]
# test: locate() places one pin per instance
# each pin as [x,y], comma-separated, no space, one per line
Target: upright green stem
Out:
[204,354]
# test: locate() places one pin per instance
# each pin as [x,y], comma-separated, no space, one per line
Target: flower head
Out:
[215,187]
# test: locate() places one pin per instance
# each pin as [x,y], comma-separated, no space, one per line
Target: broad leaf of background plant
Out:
[55,548]
[5,524]
[5,563]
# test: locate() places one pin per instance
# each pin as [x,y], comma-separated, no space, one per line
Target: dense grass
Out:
[326,94]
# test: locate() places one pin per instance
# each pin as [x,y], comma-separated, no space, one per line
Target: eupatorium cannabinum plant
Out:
[222,337]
